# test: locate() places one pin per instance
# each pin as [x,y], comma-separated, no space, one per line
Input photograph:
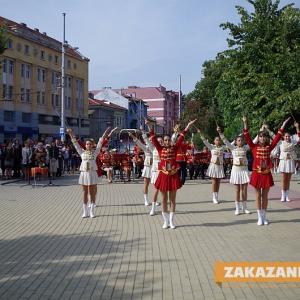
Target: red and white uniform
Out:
[168,179]
[261,176]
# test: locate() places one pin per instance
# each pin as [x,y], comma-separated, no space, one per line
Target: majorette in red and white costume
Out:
[168,179]
[261,177]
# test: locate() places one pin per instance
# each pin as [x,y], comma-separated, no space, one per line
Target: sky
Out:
[135,42]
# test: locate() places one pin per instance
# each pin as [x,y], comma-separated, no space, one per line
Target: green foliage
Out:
[3,39]
[259,75]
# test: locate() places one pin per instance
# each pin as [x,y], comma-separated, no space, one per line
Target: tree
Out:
[3,39]
[259,73]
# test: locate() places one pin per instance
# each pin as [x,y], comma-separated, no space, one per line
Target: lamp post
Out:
[62,119]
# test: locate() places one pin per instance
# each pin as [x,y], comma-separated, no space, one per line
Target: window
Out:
[4,65]
[22,70]
[52,100]
[56,59]
[43,98]
[42,54]
[9,44]
[9,116]
[69,102]
[4,91]
[38,74]
[43,75]
[22,94]
[69,64]
[26,50]
[27,71]
[28,95]
[75,66]
[10,92]
[11,67]
[50,57]
[26,117]
[38,97]
[56,100]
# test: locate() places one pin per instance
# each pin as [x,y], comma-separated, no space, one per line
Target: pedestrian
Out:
[27,153]
[88,171]
[168,181]
[261,177]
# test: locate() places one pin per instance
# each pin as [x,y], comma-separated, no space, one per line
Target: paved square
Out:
[47,251]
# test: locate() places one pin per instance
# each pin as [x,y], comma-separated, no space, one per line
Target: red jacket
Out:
[262,154]
[181,154]
[168,163]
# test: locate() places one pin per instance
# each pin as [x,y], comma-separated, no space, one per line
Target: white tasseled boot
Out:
[152,211]
[264,219]
[287,196]
[166,220]
[259,215]
[92,210]
[146,200]
[215,198]
[85,211]
[172,225]
[237,208]
[283,196]
[245,210]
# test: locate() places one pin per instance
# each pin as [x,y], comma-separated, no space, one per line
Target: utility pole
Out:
[179,98]
[62,125]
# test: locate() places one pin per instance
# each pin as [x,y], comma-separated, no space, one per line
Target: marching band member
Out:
[146,173]
[154,174]
[239,174]
[106,160]
[287,162]
[88,176]
[168,181]
[215,169]
[261,177]
[126,165]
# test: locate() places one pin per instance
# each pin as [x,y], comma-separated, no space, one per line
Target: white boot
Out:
[146,200]
[172,225]
[259,215]
[166,220]
[283,195]
[237,208]
[287,196]
[215,198]
[92,210]
[85,211]
[157,203]
[152,211]
[264,219]
[245,210]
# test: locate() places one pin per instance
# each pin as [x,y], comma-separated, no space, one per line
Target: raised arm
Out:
[278,136]
[182,134]
[146,139]
[225,141]
[74,141]
[247,134]
[205,141]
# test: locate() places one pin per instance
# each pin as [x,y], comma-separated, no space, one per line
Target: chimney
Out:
[36,29]
[44,33]
[23,24]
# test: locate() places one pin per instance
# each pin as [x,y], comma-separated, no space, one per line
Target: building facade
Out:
[137,109]
[30,85]
[103,114]
[163,105]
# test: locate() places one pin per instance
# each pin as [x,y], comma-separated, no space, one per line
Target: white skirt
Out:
[154,176]
[239,175]
[215,171]
[88,178]
[287,166]
[147,172]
